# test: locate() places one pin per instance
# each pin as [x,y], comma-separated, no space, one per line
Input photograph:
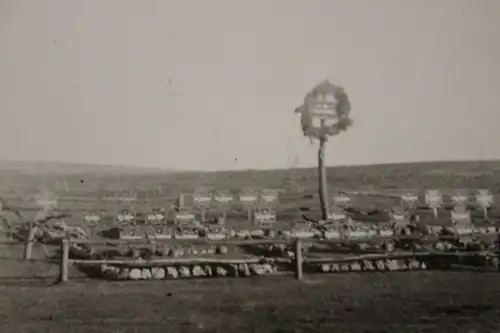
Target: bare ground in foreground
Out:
[363,302]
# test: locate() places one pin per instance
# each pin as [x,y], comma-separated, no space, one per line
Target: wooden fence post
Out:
[28,245]
[498,250]
[298,260]
[63,268]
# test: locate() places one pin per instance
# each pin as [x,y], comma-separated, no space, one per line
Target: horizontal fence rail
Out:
[297,262]
[274,241]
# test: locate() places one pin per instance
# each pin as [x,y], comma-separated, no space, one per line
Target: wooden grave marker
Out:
[223,200]
[248,199]
[203,200]
[484,200]
[434,200]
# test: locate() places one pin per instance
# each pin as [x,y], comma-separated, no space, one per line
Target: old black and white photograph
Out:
[307,166]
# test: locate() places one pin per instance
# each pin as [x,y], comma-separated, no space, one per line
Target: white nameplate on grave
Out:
[223,198]
[92,218]
[184,216]
[398,217]
[247,198]
[336,216]
[433,198]
[155,217]
[265,217]
[125,217]
[341,200]
[202,198]
[459,197]
[484,198]
[337,213]
[268,196]
[410,199]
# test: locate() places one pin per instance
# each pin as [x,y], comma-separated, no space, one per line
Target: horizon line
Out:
[173,170]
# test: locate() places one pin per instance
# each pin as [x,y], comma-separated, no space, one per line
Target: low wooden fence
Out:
[298,261]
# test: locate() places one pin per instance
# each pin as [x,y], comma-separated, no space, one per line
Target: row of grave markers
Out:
[253,200]
[262,198]
[269,198]
[257,202]
[433,199]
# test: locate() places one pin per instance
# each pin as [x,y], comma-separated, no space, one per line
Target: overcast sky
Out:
[194,84]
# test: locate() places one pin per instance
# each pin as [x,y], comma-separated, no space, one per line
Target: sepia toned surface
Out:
[430,301]
[190,86]
[417,302]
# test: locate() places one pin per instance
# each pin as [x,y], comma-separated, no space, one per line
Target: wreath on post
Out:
[342,109]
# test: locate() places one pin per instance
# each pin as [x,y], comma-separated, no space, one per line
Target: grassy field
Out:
[364,302]
[376,302]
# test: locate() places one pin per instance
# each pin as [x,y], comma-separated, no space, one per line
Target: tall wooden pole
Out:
[323,190]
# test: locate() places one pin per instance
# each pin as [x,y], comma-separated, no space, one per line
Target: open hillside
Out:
[430,301]
[82,178]
[82,188]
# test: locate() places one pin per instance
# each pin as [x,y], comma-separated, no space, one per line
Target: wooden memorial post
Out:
[126,216]
[484,200]
[94,216]
[203,201]
[268,200]
[186,224]
[248,199]
[410,202]
[461,218]
[91,219]
[180,201]
[399,218]
[434,200]
[324,113]
[156,219]
[223,200]
[337,214]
